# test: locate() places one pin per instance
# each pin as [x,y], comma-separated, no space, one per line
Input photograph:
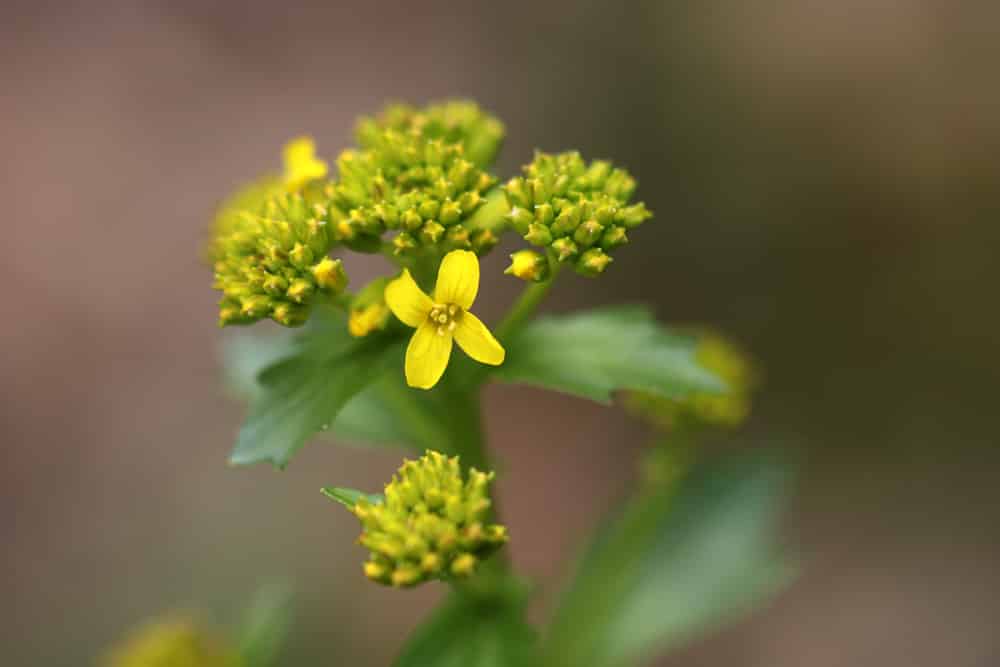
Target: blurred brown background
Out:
[825,178]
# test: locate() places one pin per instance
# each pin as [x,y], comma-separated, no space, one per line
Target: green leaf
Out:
[350,497]
[265,629]
[596,353]
[472,631]
[385,412]
[301,394]
[674,565]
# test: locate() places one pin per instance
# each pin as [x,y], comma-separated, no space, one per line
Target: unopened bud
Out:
[593,262]
[330,275]
[528,265]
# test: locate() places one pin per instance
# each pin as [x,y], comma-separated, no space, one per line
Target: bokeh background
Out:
[825,179]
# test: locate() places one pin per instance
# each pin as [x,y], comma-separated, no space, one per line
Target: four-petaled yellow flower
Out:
[301,163]
[440,320]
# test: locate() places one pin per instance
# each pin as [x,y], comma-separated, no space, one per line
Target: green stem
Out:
[525,306]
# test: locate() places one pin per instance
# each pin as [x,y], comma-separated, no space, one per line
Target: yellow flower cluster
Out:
[578,212]
[452,121]
[176,642]
[272,263]
[422,190]
[432,524]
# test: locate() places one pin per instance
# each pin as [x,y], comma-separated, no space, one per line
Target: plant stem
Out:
[525,306]
[473,450]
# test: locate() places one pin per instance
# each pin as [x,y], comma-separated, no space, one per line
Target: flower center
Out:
[445,317]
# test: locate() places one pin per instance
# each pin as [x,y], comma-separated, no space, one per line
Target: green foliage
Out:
[351,497]
[266,626]
[384,413]
[472,631]
[597,353]
[302,393]
[693,548]
[674,565]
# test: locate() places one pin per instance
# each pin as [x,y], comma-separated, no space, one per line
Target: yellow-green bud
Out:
[613,237]
[368,311]
[403,242]
[430,525]
[528,265]
[458,237]
[330,275]
[483,240]
[431,232]
[565,248]
[172,642]
[588,232]
[593,262]
[538,234]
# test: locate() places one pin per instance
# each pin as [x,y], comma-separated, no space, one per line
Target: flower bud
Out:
[368,310]
[588,232]
[593,262]
[177,642]
[538,234]
[483,240]
[528,265]
[565,249]
[329,274]
[431,233]
[430,524]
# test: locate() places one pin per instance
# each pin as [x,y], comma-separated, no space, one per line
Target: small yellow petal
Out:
[301,163]
[427,355]
[299,149]
[407,301]
[458,279]
[477,341]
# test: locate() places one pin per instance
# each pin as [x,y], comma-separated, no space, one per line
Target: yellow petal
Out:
[299,149]
[427,356]
[458,279]
[407,301]
[301,163]
[477,341]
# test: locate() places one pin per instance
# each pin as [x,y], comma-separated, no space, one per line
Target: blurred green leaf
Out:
[473,631]
[301,394]
[266,626]
[385,412]
[350,497]
[596,353]
[674,565]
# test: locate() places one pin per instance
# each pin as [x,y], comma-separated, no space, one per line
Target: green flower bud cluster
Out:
[579,212]
[431,525]
[273,263]
[424,190]
[172,643]
[728,409]
[452,121]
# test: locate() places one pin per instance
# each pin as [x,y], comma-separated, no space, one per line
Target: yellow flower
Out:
[301,163]
[440,320]
[363,321]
